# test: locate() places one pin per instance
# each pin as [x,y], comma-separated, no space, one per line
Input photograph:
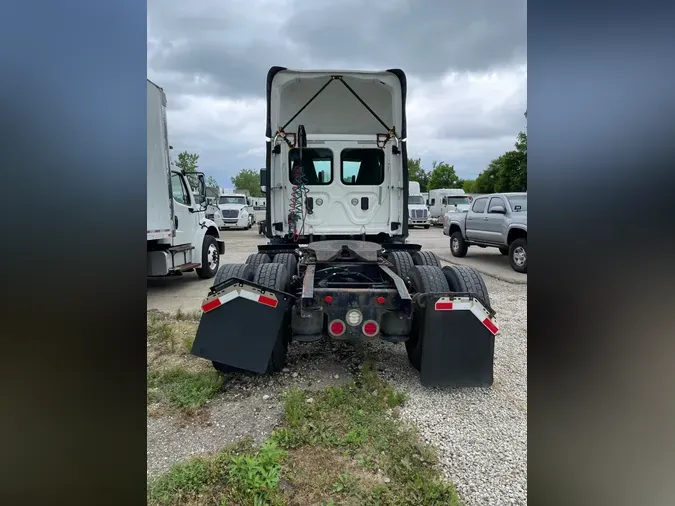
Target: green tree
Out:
[248,179]
[417,173]
[212,183]
[188,163]
[469,185]
[508,173]
[443,176]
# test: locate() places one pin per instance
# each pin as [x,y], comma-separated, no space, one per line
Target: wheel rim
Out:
[519,256]
[454,243]
[212,256]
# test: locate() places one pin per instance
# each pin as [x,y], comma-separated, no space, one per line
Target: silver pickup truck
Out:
[497,220]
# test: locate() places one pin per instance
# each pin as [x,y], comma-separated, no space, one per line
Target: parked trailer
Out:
[337,264]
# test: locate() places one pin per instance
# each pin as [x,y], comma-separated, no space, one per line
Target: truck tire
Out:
[425,258]
[210,258]
[504,251]
[275,276]
[290,261]
[518,255]
[423,279]
[458,246]
[461,278]
[229,271]
[270,276]
[402,261]
[255,259]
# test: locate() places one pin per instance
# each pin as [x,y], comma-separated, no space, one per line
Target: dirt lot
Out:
[479,435]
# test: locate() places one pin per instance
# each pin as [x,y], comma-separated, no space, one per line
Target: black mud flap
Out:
[240,324]
[458,342]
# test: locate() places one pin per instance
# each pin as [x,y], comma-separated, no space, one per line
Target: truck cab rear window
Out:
[363,167]
[316,163]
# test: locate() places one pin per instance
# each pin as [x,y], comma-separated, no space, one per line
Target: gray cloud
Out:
[222,50]
[423,37]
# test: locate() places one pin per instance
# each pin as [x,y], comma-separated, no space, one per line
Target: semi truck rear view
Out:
[337,264]
[179,236]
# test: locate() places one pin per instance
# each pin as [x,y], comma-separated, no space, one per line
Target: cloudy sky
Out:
[466,63]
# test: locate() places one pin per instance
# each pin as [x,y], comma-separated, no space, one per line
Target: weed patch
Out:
[344,445]
[183,390]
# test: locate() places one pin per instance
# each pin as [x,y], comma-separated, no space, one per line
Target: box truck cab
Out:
[418,213]
[179,236]
[442,200]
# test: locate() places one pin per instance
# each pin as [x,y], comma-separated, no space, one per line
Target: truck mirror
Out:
[263,180]
[202,188]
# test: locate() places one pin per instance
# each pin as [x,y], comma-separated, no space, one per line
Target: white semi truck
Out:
[179,236]
[418,214]
[337,264]
[236,208]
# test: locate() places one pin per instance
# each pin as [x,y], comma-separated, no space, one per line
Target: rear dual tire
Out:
[433,279]
[269,275]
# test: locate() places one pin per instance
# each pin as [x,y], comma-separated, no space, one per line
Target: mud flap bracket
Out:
[241,323]
[458,340]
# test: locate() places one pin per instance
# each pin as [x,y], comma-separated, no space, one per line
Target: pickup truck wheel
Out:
[504,251]
[255,259]
[518,255]
[458,246]
[402,261]
[423,279]
[275,276]
[461,278]
[210,258]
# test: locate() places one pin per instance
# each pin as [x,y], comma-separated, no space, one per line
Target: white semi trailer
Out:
[179,236]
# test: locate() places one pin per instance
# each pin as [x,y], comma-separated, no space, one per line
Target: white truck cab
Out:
[443,200]
[179,236]
[335,166]
[418,213]
[236,210]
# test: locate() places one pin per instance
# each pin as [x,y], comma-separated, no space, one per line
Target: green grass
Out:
[184,390]
[239,475]
[347,447]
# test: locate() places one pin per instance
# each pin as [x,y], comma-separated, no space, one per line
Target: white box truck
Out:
[418,214]
[179,237]
[442,200]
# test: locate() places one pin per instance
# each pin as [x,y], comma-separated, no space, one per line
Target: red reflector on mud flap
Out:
[213,304]
[443,305]
[490,326]
[268,301]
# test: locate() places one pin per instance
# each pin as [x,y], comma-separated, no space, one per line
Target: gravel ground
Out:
[480,434]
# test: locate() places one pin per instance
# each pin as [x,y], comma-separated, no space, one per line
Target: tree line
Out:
[507,173]
[246,179]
